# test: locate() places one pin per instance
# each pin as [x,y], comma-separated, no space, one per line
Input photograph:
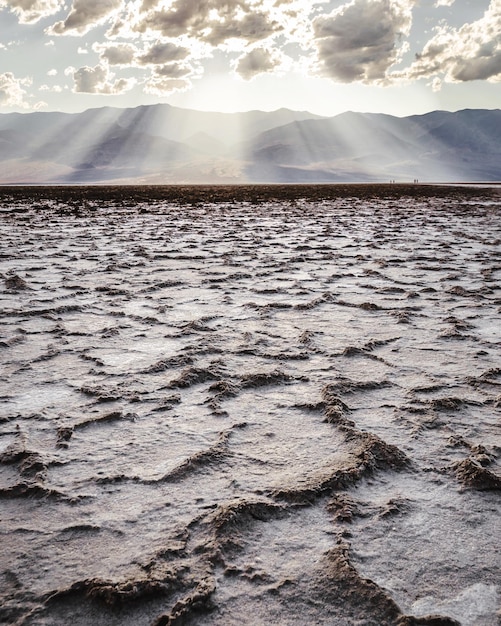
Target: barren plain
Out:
[250,405]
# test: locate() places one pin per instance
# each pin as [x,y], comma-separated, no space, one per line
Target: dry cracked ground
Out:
[251,405]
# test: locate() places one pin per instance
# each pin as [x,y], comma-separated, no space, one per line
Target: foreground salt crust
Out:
[224,407]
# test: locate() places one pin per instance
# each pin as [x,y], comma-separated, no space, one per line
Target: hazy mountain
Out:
[161,143]
[203,142]
[440,146]
[228,128]
[162,120]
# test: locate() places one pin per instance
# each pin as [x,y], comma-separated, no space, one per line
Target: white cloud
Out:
[85,15]
[212,21]
[117,54]
[31,11]
[165,42]
[178,34]
[173,70]
[361,40]
[162,58]
[257,61]
[161,53]
[98,80]
[13,92]
[170,70]
[250,27]
[436,84]
[158,86]
[54,88]
[472,52]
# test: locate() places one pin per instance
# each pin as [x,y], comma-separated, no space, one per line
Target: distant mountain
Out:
[165,144]
[440,146]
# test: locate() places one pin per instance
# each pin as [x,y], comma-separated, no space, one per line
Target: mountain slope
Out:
[161,143]
[440,146]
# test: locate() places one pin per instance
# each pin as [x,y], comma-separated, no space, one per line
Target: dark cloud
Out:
[361,40]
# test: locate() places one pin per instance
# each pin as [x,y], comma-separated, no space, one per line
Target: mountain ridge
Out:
[165,144]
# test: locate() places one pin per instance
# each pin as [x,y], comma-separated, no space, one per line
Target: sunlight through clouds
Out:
[158,47]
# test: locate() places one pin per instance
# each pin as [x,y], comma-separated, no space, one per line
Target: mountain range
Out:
[162,144]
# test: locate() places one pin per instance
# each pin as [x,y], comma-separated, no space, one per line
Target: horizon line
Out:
[244,112]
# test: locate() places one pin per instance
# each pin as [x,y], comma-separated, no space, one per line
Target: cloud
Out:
[162,58]
[54,88]
[361,40]
[257,61]
[161,53]
[158,86]
[176,35]
[173,70]
[120,54]
[85,15]
[212,21]
[31,11]
[98,80]
[251,27]
[472,52]
[13,92]
[165,42]
[169,77]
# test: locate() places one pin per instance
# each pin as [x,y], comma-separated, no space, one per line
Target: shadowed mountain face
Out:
[165,144]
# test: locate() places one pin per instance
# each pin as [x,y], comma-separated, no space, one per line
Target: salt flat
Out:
[258,405]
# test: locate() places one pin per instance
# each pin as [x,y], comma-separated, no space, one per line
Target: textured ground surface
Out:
[273,405]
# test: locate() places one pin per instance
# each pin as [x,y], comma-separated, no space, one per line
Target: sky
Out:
[400,57]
